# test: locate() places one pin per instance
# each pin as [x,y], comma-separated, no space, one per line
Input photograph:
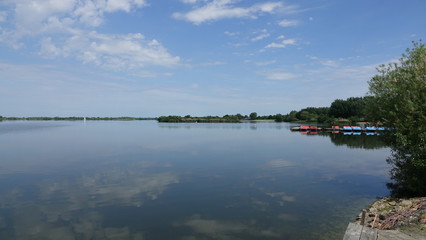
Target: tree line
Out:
[207,119]
[74,118]
[353,108]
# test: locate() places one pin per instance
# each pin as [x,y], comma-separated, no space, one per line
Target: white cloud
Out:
[326,62]
[89,14]
[214,63]
[282,44]
[189,1]
[3,16]
[260,37]
[268,7]
[92,12]
[313,57]
[279,75]
[288,23]
[30,16]
[116,52]
[222,9]
[117,5]
[66,29]
[231,34]
[329,63]
[34,17]
[48,49]
[265,63]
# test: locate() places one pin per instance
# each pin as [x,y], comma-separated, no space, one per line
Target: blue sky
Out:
[147,58]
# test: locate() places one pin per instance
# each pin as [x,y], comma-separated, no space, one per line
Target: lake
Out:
[148,180]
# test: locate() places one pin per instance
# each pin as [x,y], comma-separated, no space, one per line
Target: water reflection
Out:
[352,139]
[408,172]
[144,180]
[278,164]
[243,125]
[363,141]
[217,229]
[70,207]
[7,127]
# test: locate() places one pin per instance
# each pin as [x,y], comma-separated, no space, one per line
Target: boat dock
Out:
[337,129]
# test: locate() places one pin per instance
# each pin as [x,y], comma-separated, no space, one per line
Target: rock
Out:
[372,209]
[406,203]
[397,213]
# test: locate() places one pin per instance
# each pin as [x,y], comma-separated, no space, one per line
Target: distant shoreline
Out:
[74,118]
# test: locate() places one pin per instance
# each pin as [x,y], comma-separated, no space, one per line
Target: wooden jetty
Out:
[360,232]
[356,231]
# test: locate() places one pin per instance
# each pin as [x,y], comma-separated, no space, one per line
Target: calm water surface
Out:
[149,180]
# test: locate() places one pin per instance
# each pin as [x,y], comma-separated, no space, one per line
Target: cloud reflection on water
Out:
[218,181]
[203,228]
[71,207]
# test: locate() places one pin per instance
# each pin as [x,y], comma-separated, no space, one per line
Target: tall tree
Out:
[399,102]
[253,115]
[351,107]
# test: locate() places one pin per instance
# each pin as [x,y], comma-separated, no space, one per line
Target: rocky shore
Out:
[405,215]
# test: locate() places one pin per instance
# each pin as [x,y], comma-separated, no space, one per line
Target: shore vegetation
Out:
[73,118]
[206,119]
[398,100]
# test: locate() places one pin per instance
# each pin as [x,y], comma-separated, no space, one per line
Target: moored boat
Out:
[356,128]
[347,128]
[371,129]
[305,128]
[314,128]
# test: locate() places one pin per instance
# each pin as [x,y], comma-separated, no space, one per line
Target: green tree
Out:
[338,108]
[303,115]
[169,119]
[351,107]
[253,115]
[399,102]
[279,118]
[317,110]
[291,117]
[322,118]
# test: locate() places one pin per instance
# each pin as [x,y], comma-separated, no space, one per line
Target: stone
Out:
[406,203]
